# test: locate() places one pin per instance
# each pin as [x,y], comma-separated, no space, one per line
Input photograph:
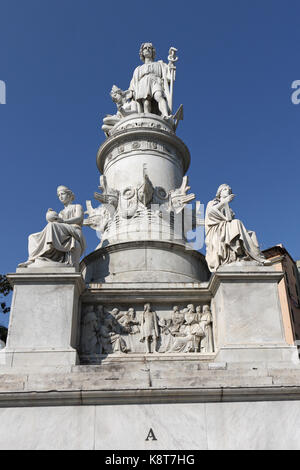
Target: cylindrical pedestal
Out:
[144,163]
[143,142]
[148,261]
[145,261]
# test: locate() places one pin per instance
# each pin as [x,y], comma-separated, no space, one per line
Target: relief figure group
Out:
[111,331]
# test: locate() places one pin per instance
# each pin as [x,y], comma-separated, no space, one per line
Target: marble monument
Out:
[145,332]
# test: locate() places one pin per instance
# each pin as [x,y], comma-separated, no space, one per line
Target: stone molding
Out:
[31,277]
[149,396]
[133,292]
[137,120]
[145,133]
[250,276]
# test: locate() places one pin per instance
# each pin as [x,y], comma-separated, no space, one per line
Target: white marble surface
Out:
[147,261]
[256,425]
[174,426]
[250,314]
[247,315]
[43,316]
[259,425]
[65,427]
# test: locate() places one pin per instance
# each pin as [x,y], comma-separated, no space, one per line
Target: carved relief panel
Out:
[144,329]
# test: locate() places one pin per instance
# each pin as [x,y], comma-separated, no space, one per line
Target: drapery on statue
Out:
[110,334]
[205,321]
[187,338]
[227,240]
[62,239]
[150,90]
[149,86]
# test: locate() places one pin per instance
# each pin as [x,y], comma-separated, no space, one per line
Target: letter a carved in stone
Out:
[151,435]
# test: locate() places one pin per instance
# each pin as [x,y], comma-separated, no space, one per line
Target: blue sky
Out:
[237,61]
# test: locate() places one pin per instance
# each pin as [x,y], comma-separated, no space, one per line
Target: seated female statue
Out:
[227,239]
[61,240]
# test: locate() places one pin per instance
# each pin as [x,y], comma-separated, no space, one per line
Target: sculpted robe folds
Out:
[150,78]
[206,325]
[226,241]
[58,242]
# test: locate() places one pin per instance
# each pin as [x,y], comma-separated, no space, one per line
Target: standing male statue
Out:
[149,328]
[150,90]
[149,86]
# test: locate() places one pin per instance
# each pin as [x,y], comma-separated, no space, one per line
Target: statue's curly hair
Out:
[141,51]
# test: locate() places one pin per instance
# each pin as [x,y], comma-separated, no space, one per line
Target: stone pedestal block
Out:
[248,314]
[44,316]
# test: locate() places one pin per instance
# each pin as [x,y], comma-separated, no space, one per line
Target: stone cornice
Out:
[240,276]
[149,396]
[171,292]
[31,277]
